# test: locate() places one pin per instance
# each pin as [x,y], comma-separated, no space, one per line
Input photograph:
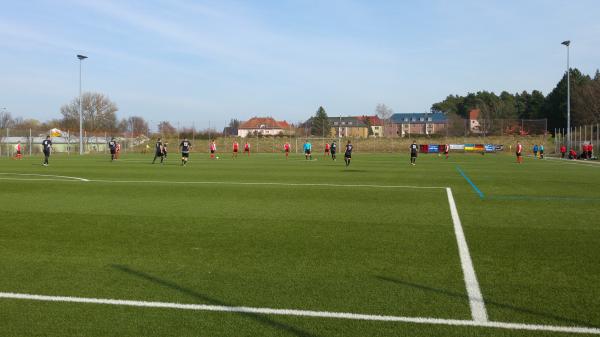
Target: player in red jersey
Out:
[446,150]
[19,149]
[236,147]
[327,146]
[118,151]
[247,148]
[519,153]
[213,149]
[286,149]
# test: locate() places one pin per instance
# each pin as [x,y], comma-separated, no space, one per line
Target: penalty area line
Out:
[45,176]
[260,184]
[302,313]
[478,311]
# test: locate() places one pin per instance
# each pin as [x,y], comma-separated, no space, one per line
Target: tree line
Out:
[585,103]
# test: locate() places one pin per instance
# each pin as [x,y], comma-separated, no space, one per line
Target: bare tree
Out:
[6,120]
[99,113]
[165,128]
[135,125]
[383,111]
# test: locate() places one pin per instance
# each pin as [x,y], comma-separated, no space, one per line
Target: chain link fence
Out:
[453,131]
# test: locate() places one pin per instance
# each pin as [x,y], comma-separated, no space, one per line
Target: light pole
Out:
[567,44]
[81,58]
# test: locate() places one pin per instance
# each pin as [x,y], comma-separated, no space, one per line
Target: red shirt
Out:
[247,146]
[286,146]
[327,147]
[519,148]
[235,146]
[563,149]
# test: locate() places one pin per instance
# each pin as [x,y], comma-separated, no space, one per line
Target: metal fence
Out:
[458,131]
[579,136]
[67,142]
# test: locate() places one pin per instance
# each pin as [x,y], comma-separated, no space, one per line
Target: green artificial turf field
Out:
[266,233]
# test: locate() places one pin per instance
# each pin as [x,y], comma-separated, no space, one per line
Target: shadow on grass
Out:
[210,300]
[487,302]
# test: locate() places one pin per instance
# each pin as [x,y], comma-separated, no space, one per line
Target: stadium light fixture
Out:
[567,44]
[81,58]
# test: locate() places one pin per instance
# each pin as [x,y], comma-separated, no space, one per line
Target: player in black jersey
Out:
[185,146]
[164,150]
[413,153]
[112,146]
[333,150]
[158,151]
[348,153]
[47,148]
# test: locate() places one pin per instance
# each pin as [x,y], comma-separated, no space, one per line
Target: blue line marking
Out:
[481,196]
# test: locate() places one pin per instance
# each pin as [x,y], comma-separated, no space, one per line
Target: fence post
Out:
[30,142]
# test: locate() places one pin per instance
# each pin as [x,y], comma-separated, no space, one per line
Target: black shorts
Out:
[158,154]
[518,154]
[185,154]
[332,152]
[235,150]
[212,151]
[306,151]
[541,151]
[347,155]
[112,151]
[413,154]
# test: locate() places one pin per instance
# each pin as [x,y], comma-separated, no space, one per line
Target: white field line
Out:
[46,176]
[260,184]
[66,178]
[478,311]
[302,313]
[572,162]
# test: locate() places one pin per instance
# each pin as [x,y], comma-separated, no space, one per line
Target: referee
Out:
[47,148]
[413,153]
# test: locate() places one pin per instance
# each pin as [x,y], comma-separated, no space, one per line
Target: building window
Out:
[405,119]
[422,119]
[429,119]
[413,119]
[349,123]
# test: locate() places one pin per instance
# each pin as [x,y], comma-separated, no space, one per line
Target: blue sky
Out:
[200,61]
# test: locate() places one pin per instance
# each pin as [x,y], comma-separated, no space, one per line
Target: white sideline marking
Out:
[572,162]
[260,183]
[476,302]
[40,175]
[66,178]
[303,313]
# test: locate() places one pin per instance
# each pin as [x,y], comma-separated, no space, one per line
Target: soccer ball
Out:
[217,157]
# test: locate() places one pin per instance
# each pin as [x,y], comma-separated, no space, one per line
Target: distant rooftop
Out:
[418,117]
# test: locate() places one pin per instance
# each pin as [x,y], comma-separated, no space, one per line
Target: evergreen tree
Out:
[319,123]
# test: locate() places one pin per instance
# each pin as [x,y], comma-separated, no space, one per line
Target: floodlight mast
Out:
[567,44]
[81,58]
